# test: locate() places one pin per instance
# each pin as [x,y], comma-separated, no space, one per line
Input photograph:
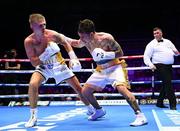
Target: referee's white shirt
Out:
[159,52]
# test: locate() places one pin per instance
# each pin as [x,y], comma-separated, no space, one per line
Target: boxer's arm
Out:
[117,48]
[73,42]
[74,63]
[114,50]
[63,40]
[30,52]
[99,54]
[113,46]
[77,43]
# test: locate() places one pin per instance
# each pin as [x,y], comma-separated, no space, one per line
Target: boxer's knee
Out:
[87,89]
[33,86]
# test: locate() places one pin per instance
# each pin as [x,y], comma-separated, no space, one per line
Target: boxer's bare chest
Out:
[40,44]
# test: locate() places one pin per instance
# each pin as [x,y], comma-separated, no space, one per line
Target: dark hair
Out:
[86,26]
[157,28]
[10,54]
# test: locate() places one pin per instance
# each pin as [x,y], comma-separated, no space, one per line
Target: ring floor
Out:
[74,118]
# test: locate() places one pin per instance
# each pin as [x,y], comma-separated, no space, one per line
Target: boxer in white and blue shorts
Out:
[44,54]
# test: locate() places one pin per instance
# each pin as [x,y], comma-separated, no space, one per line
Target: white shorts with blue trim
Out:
[56,70]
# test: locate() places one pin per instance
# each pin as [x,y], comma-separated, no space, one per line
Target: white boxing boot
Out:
[33,119]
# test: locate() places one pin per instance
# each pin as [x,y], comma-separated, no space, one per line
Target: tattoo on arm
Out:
[118,50]
[115,45]
[112,45]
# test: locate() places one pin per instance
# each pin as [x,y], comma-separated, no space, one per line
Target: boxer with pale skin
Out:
[110,69]
[44,54]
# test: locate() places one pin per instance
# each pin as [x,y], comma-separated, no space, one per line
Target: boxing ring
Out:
[70,114]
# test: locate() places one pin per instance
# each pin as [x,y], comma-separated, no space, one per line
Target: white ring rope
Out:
[81,59]
[65,84]
[82,70]
[75,95]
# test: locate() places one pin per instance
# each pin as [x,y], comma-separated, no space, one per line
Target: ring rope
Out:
[76,95]
[82,70]
[65,84]
[80,59]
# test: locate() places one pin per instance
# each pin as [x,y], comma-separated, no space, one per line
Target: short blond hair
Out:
[35,17]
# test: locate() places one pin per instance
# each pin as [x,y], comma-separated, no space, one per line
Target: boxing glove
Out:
[99,54]
[75,65]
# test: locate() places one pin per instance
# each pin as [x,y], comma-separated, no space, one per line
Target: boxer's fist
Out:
[99,54]
[75,65]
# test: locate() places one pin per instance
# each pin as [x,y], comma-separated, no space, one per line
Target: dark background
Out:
[130,22]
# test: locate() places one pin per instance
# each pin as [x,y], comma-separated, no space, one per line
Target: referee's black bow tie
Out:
[160,40]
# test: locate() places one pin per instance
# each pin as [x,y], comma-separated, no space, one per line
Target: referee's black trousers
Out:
[164,72]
